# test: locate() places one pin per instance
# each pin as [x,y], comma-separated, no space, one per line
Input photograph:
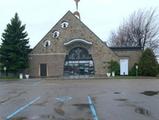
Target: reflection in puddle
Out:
[50,117]
[81,106]
[121,99]
[59,111]
[142,111]
[116,92]
[150,93]
[43,117]
[6,99]
[20,118]
[138,109]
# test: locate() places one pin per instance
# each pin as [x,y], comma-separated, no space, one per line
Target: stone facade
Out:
[55,53]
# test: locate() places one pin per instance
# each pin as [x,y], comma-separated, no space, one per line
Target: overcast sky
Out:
[101,16]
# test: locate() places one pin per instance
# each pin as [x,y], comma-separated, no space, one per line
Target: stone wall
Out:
[55,63]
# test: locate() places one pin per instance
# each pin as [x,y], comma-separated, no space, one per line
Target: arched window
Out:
[78,54]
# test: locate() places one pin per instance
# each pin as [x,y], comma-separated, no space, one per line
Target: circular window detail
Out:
[47,43]
[64,24]
[55,34]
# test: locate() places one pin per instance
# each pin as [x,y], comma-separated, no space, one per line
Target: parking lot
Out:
[40,99]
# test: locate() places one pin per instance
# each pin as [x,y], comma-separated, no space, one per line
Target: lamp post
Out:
[137,67]
[5,70]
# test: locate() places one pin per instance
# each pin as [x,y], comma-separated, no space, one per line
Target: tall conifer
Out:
[15,46]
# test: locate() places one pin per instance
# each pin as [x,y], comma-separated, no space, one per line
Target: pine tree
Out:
[148,65]
[15,46]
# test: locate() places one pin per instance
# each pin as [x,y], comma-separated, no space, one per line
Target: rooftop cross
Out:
[77,1]
[76,13]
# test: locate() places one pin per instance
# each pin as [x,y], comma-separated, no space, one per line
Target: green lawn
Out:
[8,78]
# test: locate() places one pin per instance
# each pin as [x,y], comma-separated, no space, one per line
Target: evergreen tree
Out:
[148,65]
[15,46]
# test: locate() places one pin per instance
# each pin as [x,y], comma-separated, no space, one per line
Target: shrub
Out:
[113,66]
[133,71]
[148,65]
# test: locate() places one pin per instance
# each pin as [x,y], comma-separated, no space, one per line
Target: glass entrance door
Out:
[78,62]
[79,67]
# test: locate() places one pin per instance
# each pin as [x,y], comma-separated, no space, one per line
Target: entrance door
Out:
[78,62]
[123,66]
[43,70]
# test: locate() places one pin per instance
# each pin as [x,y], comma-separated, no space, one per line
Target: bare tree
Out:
[139,30]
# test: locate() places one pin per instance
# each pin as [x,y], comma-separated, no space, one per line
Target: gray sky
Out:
[101,16]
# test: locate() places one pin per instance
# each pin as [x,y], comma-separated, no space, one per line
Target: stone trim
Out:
[77,40]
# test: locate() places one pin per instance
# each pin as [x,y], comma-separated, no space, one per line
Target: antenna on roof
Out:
[76,13]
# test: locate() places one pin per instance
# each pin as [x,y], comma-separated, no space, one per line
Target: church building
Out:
[70,48]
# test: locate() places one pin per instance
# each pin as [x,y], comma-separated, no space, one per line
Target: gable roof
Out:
[51,29]
[77,27]
[69,13]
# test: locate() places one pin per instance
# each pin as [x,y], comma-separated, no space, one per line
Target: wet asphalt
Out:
[133,99]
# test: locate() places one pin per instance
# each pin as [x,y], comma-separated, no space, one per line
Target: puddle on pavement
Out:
[94,98]
[116,92]
[43,117]
[60,111]
[81,106]
[19,118]
[49,117]
[81,119]
[4,100]
[142,111]
[150,93]
[121,99]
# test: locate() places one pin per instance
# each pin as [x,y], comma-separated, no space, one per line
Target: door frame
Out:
[40,69]
[124,71]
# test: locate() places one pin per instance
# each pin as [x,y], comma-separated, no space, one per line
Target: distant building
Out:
[71,48]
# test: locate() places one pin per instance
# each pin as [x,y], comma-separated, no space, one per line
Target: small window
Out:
[56,34]
[64,24]
[47,43]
